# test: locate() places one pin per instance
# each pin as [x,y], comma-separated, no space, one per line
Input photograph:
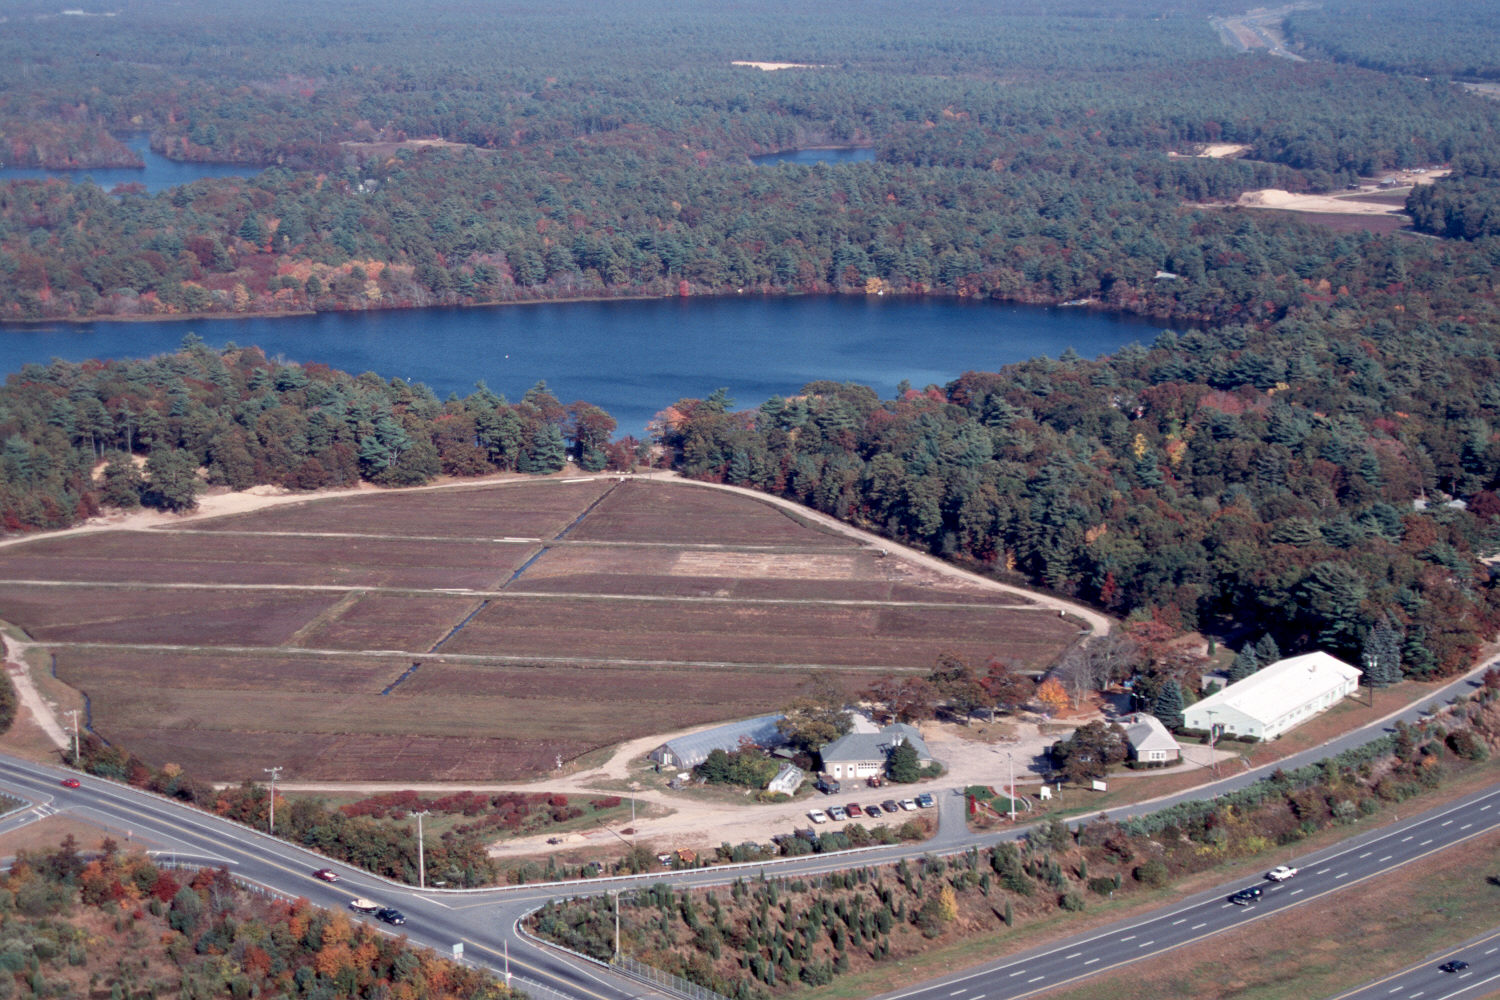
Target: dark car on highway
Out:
[1245,896]
[1457,965]
[390,915]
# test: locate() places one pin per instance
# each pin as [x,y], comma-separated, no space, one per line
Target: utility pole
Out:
[616,894]
[73,713]
[421,856]
[1010,758]
[273,772]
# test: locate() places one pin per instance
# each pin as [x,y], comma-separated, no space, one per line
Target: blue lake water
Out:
[631,358]
[158,174]
[847,154]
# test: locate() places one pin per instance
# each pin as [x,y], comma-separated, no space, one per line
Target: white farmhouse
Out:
[1276,698]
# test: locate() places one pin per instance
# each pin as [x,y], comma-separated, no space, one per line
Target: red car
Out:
[326,874]
[71,783]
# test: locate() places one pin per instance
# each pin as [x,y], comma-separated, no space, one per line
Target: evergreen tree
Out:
[1266,651]
[1168,705]
[1381,658]
[1245,664]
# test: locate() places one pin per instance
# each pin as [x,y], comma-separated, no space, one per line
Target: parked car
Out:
[71,783]
[817,815]
[890,806]
[854,810]
[828,786]
[926,801]
[390,915]
[361,905]
[1457,965]
[1281,873]
[326,875]
[1245,896]
[910,805]
[872,810]
[806,833]
[837,813]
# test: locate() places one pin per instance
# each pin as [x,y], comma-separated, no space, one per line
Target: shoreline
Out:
[1183,322]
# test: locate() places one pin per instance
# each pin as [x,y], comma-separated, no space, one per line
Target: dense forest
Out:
[1440,38]
[1029,155]
[126,433]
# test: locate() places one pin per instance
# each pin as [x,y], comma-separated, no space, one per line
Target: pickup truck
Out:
[1281,873]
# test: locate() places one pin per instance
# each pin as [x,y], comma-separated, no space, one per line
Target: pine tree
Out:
[1381,658]
[1266,651]
[1168,705]
[1245,664]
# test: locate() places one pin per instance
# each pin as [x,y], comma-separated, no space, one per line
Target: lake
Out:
[837,154]
[158,174]
[632,358]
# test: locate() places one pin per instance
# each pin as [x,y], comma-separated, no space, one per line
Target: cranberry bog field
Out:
[480,633]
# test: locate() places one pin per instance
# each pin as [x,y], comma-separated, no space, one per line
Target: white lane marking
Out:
[1446,822]
[1090,961]
[1145,944]
[957,992]
[1076,954]
[1384,859]
[1036,979]
[1294,892]
[1483,808]
[1405,839]
[1466,826]
[1322,871]
[1018,972]
[1182,921]
[1396,989]
[1198,926]
[1341,875]
[1492,951]
[1367,854]
[1425,842]
[1128,937]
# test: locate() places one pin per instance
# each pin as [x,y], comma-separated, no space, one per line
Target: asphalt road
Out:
[484,921]
[1353,861]
[1428,981]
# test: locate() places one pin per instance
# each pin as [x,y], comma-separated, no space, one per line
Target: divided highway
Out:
[1329,871]
[484,920]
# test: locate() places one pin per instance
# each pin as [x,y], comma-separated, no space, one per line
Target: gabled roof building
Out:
[1276,698]
[863,755]
[1149,740]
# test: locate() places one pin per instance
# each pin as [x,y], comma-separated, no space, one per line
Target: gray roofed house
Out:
[863,755]
[691,750]
[1149,739]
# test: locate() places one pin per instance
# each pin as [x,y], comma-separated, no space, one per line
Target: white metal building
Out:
[1276,698]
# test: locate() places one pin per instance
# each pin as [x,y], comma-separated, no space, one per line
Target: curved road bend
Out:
[485,920]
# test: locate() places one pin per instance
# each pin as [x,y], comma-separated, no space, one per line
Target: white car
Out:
[1281,873]
[838,813]
[817,815]
[910,805]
